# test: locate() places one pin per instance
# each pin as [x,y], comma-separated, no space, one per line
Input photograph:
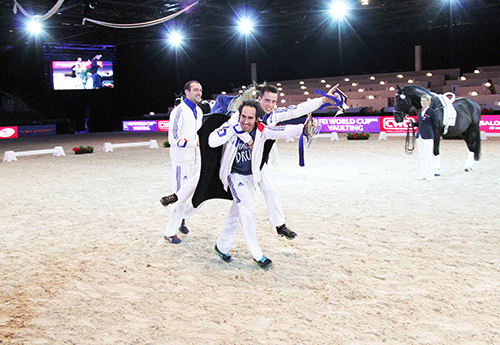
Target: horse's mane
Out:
[417,89]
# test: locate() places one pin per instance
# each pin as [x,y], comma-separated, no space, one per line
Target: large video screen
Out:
[80,66]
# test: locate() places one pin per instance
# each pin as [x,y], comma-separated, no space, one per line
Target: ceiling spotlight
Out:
[34,27]
[175,39]
[338,9]
[245,26]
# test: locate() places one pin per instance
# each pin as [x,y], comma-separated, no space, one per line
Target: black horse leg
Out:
[473,139]
[437,159]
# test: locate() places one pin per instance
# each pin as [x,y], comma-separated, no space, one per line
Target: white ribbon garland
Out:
[59,3]
[138,25]
[47,15]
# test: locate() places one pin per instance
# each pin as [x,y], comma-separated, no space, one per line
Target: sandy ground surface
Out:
[380,257]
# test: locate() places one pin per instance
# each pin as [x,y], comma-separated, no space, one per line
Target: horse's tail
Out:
[477,145]
[473,132]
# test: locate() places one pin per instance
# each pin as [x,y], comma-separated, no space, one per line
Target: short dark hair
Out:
[251,103]
[268,88]
[187,86]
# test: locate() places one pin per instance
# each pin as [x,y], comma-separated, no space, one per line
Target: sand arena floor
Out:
[380,257]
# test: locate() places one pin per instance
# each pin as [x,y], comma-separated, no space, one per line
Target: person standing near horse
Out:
[240,172]
[271,116]
[185,121]
[427,124]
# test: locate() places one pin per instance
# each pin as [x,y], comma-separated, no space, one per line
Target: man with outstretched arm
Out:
[240,173]
[271,116]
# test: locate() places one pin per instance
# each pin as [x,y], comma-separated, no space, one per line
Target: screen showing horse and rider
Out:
[80,66]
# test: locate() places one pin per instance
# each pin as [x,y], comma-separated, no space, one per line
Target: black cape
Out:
[209,185]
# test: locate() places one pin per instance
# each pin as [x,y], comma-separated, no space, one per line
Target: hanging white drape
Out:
[59,3]
[138,25]
[47,15]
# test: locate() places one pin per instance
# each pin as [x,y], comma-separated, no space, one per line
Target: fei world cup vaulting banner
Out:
[344,124]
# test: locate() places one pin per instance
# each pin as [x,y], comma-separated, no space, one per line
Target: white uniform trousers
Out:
[426,154]
[242,212]
[185,179]
[273,200]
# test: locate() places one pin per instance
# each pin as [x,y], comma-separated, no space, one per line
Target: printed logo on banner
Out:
[389,125]
[349,124]
[149,126]
[490,124]
[163,125]
[8,132]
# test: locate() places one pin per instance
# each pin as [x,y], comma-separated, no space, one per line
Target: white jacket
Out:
[228,134]
[182,134]
[281,114]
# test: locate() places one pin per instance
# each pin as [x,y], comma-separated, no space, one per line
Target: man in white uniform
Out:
[271,117]
[240,172]
[185,120]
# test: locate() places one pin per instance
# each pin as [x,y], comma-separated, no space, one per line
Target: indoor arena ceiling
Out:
[281,20]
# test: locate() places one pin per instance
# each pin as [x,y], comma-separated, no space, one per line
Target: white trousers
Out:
[426,154]
[184,180]
[242,212]
[273,200]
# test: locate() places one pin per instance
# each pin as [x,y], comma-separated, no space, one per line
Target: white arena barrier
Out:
[384,135]
[152,144]
[332,136]
[10,156]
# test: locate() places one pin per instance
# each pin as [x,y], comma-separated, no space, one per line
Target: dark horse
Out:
[466,124]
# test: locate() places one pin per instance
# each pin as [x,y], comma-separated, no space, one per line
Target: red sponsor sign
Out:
[389,125]
[163,125]
[8,132]
[490,124]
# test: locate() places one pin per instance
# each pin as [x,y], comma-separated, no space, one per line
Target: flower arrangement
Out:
[358,136]
[83,149]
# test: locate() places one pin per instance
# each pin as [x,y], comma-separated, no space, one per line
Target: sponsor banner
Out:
[490,124]
[389,125]
[70,64]
[349,124]
[36,130]
[163,125]
[140,125]
[8,132]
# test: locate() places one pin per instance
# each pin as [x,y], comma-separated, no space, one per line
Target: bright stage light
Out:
[34,27]
[338,9]
[245,26]
[175,39]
